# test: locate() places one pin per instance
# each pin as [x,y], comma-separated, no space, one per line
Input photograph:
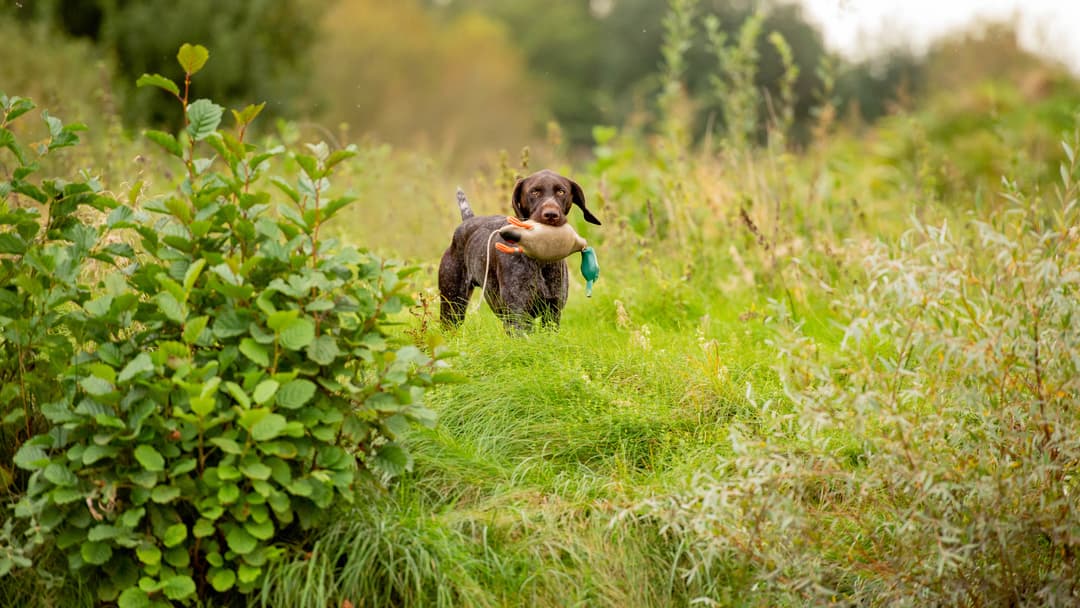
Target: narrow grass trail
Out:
[520,495]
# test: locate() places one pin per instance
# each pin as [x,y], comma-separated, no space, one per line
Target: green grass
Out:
[519,496]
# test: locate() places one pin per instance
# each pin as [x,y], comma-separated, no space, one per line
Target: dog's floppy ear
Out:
[518,200]
[577,196]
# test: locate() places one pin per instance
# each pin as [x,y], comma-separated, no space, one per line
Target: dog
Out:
[518,288]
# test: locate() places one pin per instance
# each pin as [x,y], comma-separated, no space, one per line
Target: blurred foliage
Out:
[988,50]
[46,67]
[463,76]
[598,65]
[938,148]
[77,79]
[390,69]
[876,86]
[986,108]
[260,47]
[457,79]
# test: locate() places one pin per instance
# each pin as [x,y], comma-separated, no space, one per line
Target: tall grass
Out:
[843,375]
[933,458]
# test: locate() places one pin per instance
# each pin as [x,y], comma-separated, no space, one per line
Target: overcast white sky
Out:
[854,27]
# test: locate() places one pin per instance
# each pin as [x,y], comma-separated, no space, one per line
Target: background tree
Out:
[599,66]
[260,46]
[392,70]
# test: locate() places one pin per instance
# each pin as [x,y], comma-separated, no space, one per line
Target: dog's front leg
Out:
[514,308]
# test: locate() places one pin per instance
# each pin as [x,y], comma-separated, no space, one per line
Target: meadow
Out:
[840,371]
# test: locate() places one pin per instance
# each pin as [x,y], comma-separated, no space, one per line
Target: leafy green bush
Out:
[230,386]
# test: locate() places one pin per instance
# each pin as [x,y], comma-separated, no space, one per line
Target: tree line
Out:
[461,73]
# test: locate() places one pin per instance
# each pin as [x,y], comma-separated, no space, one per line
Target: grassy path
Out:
[518,495]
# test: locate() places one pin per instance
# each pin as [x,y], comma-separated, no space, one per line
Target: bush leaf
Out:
[150,458]
[148,554]
[174,535]
[265,391]
[255,351]
[393,460]
[204,116]
[222,579]
[171,307]
[96,386]
[194,328]
[165,140]
[159,81]
[30,457]
[178,587]
[240,541]
[297,333]
[192,57]
[96,553]
[295,393]
[133,597]
[139,365]
[269,427]
[323,350]
[60,475]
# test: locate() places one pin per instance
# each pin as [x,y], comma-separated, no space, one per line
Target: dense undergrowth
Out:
[841,375]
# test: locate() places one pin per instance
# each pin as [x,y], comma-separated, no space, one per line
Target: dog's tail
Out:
[463,204]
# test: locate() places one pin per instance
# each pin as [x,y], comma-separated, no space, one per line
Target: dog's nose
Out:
[551,215]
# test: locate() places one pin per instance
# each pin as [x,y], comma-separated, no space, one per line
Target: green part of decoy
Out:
[590,269]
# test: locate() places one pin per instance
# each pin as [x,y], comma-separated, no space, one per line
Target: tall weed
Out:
[932,459]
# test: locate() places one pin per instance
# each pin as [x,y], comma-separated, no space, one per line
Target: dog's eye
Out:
[560,192]
[535,193]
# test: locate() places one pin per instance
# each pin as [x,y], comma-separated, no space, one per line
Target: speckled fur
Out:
[518,289]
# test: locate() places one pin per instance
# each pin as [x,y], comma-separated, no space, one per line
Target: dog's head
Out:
[546,196]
